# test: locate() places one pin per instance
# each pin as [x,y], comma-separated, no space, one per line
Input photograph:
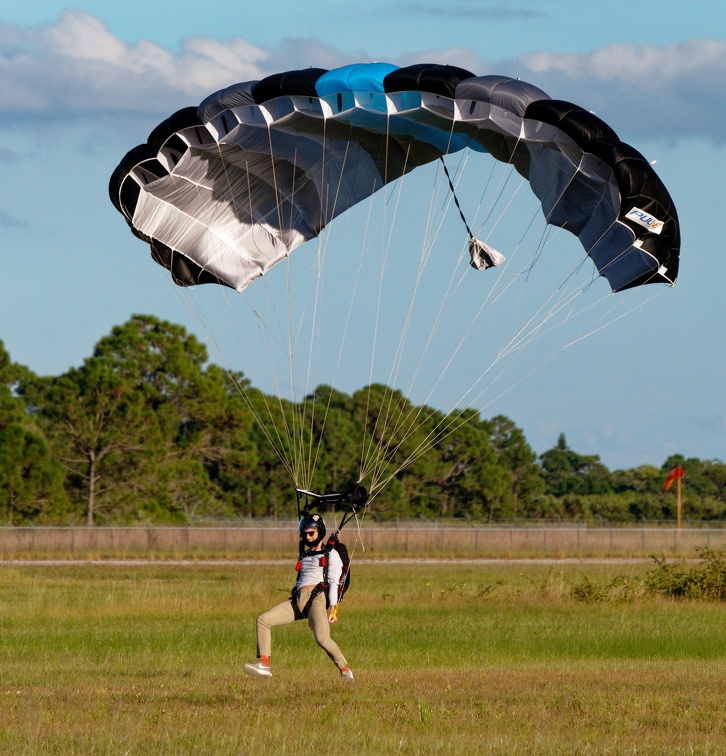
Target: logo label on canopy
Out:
[645,219]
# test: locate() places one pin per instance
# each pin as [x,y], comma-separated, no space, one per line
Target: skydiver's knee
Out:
[322,639]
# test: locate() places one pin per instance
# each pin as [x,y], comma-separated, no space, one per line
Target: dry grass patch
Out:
[448,659]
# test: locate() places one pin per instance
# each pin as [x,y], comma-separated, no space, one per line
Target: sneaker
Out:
[258,669]
[346,674]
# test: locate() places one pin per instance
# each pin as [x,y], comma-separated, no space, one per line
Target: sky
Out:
[81,84]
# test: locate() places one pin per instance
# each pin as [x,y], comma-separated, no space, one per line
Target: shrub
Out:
[706,580]
[620,588]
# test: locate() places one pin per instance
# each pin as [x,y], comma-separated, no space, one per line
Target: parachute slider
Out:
[356,498]
[305,492]
[316,499]
[483,256]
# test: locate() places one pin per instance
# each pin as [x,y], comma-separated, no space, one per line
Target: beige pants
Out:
[283,614]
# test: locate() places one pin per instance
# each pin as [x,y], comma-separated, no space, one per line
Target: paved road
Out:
[359,562]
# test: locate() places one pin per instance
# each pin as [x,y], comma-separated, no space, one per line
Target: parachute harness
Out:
[356,499]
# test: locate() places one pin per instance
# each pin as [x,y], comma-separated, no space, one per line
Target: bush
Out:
[620,588]
[707,580]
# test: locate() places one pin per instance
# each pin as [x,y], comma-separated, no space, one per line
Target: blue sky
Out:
[81,84]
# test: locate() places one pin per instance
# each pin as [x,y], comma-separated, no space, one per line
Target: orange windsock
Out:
[674,474]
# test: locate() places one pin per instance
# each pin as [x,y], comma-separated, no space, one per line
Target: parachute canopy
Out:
[224,191]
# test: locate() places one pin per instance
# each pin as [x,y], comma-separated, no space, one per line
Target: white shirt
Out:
[311,573]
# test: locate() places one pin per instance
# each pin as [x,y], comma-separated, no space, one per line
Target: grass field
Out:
[448,659]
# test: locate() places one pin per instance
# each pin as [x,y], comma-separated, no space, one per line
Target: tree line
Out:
[146,430]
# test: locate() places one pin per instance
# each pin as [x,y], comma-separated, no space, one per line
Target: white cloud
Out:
[302,52]
[76,65]
[463,57]
[663,92]
[638,64]
[83,37]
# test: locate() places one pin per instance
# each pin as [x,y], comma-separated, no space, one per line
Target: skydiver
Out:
[307,600]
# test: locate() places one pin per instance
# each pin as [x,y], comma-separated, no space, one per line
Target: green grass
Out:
[448,659]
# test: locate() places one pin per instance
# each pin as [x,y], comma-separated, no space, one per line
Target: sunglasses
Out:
[310,532]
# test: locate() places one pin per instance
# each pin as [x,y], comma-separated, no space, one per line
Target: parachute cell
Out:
[224,191]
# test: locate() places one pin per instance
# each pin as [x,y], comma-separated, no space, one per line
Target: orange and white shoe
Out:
[258,669]
[346,674]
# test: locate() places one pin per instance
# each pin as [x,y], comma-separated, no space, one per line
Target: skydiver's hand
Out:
[333,614]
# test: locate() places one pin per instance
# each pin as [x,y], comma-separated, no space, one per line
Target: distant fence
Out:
[236,541]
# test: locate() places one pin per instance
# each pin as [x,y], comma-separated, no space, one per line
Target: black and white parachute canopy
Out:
[224,191]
